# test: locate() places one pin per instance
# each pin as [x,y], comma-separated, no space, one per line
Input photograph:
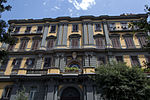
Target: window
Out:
[148,61]
[124,26]
[74,42]
[101,60]
[100,43]
[112,26]
[28,29]
[32,93]
[47,62]
[3,64]
[17,29]
[23,44]
[75,28]
[30,62]
[50,44]
[115,42]
[129,42]
[135,61]
[7,93]
[39,29]
[35,44]
[119,58]
[10,47]
[97,27]
[53,28]
[16,63]
[142,40]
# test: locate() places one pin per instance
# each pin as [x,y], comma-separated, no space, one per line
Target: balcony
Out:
[37,71]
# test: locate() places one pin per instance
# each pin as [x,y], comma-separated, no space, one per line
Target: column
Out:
[39,62]
[86,59]
[85,36]
[62,61]
[43,43]
[90,33]
[89,89]
[93,60]
[50,92]
[106,32]
[59,35]
[65,30]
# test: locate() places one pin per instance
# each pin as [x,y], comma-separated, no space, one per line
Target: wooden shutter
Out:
[129,42]
[35,44]
[100,43]
[23,44]
[115,42]
[142,40]
[10,47]
[75,43]
[50,43]
[135,61]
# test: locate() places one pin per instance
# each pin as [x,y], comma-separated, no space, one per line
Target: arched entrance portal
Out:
[70,93]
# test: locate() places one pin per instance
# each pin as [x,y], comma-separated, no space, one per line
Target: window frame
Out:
[53,30]
[75,27]
[28,29]
[98,29]
[137,58]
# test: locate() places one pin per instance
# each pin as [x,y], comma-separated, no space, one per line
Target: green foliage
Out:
[117,81]
[21,95]
[4,36]
[71,68]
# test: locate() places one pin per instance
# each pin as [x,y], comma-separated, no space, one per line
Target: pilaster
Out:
[43,43]
[106,32]
[85,36]
[65,30]
[90,33]
[39,61]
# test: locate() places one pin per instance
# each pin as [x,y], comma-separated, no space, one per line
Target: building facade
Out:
[53,58]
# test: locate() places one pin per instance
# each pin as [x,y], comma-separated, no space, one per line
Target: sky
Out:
[38,9]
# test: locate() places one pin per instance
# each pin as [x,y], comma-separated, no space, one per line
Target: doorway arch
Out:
[70,93]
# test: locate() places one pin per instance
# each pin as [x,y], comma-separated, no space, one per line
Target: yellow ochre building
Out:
[53,57]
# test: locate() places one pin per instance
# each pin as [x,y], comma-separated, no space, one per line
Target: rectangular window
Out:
[74,43]
[39,29]
[30,62]
[32,94]
[142,40]
[129,42]
[115,42]
[23,44]
[124,26]
[112,26]
[135,61]
[7,93]
[50,44]
[17,29]
[3,64]
[28,29]
[53,28]
[16,63]
[148,61]
[101,60]
[10,47]
[119,58]
[47,62]
[97,27]
[35,44]
[100,43]
[75,28]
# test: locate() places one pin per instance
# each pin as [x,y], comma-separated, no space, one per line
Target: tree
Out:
[21,95]
[5,37]
[117,81]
